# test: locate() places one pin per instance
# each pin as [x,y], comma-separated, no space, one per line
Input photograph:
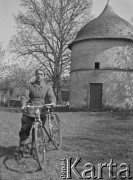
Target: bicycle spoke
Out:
[40,145]
[55,131]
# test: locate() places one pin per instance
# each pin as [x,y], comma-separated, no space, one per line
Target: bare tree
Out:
[20,72]
[2,53]
[2,56]
[46,28]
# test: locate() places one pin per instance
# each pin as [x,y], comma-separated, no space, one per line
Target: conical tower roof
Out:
[107,25]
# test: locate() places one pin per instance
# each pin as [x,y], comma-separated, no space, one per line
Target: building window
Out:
[97,65]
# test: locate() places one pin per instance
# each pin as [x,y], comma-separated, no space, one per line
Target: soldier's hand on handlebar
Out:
[23,108]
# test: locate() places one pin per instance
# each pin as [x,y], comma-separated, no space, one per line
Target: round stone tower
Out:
[102,63]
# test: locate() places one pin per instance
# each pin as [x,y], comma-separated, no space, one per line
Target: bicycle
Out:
[39,130]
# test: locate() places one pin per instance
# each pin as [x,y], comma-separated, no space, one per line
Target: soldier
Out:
[35,94]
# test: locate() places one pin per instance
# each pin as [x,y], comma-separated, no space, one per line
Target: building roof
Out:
[107,25]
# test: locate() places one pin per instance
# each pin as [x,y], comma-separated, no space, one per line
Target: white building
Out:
[102,63]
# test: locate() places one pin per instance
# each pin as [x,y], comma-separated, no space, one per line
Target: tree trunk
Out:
[56,86]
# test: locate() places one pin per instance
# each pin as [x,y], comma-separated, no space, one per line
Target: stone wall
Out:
[117,88]
[116,64]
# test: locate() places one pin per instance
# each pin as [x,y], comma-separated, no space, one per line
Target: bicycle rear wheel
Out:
[55,131]
[39,144]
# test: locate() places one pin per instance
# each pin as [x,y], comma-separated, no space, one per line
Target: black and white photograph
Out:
[66,89]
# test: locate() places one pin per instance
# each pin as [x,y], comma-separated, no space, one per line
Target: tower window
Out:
[97,65]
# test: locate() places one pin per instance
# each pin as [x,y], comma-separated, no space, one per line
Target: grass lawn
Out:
[93,137]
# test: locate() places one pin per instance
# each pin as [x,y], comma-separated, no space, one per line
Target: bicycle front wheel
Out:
[39,144]
[55,131]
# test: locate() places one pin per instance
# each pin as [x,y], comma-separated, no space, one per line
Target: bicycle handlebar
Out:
[51,105]
[34,108]
[45,105]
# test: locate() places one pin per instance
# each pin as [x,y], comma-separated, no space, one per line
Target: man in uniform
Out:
[35,94]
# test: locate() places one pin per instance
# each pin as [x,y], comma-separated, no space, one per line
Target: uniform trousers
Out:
[26,127]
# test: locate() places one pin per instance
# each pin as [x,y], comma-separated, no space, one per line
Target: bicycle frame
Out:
[38,118]
[49,134]
[38,134]
[48,114]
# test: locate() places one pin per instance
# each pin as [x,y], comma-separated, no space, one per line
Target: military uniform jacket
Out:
[36,93]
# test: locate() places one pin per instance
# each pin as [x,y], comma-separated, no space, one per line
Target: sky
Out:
[9,8]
